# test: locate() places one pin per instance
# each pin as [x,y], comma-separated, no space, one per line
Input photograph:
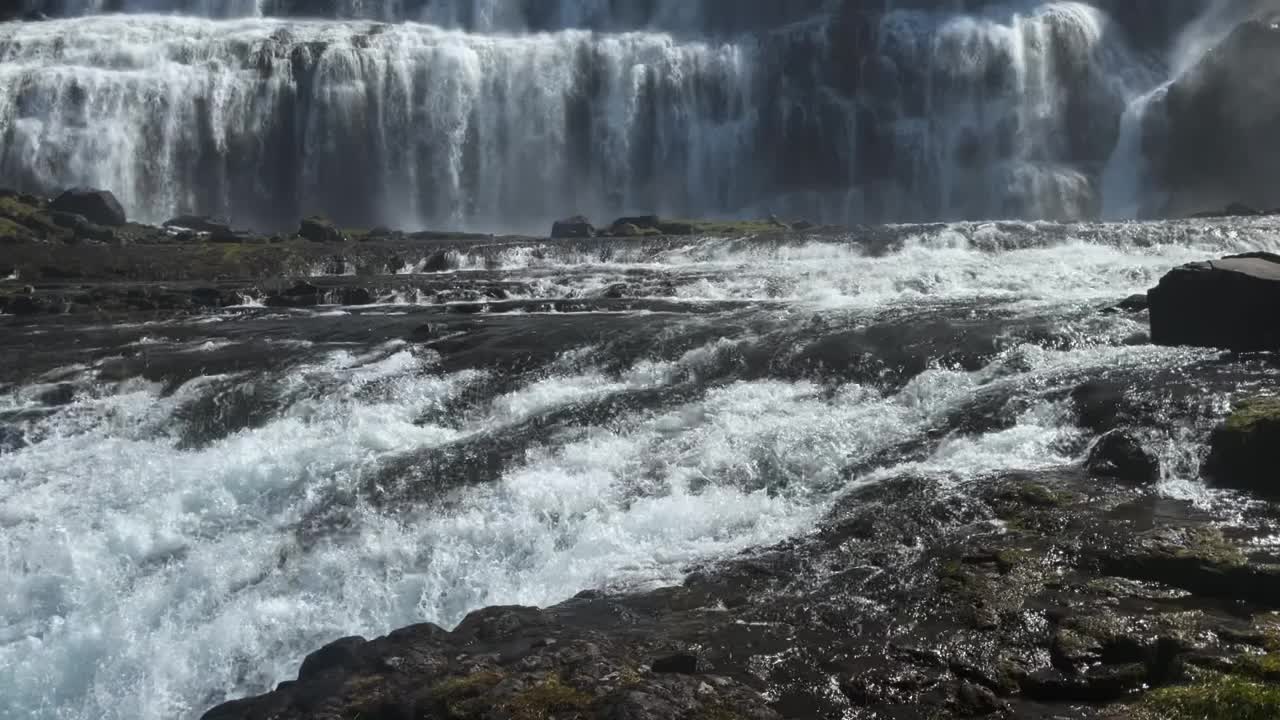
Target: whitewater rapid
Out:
[152,567]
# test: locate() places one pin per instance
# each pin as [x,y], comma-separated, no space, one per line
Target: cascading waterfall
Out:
[832,111]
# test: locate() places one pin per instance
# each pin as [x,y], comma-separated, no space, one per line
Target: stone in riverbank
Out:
[576,227]
[1245,451]
[97,206]
[1228,303]
[320,230]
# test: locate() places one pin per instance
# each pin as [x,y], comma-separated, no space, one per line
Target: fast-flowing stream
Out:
[189,507]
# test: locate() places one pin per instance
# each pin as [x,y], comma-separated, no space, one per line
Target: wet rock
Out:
[574,227]
[1197,559]
[1119,456]
[1233,210]
[680,663]
[640,222]
[11,439]
[677,228]
[1134,303]
[356,296]
[302,294]
[974,700]
[1098,404]
[1245,451]
[338,655]
[199,223]
[320,230]
[97,206]
[58,395]
[1223,304]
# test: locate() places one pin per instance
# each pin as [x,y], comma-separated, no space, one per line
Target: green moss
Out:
[1038,495]
[1007,559]
[11,229]
[1219,698]
[1250,413]
[463,697]
[550,698]
[1208,544]
[1263,667]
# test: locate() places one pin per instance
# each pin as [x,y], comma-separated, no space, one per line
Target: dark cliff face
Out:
[1214,137]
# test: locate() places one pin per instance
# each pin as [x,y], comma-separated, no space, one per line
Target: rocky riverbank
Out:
[1083,590]
[1067,593]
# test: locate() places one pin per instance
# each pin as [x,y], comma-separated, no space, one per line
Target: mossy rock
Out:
[548,699]
[1220,698]
[1245,451]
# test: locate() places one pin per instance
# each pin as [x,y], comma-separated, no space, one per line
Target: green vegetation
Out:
[1218,698]
[465,696]
[1208,543]
[1250,413]
[550,698]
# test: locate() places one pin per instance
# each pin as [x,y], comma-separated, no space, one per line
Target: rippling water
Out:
[196,504]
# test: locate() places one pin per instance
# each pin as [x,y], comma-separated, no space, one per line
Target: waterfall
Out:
[503,114]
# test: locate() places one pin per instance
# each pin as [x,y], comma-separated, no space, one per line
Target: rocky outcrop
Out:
[200,224]
[1020,601]
[1213,136]
[1119,456]
[320,230]
[1245,451]
[1228,303]
[573,228]
[96,206]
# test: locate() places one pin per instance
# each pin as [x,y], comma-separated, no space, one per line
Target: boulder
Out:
[574,227]
[1227,304]
[11,439]
[1134,303]
[321,230]
[1245,451]
[1119,456]
[627,230]
[97,206]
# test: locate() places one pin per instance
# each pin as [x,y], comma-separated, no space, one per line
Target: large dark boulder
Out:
[1245,451]
[574,227]
[321,230]
[1119,456]
[1213,138]
[1228,303]
[99,207]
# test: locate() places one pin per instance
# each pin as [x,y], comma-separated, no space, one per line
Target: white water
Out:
[141,580]
[263,119]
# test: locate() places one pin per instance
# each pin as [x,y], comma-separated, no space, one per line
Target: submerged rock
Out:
[574,227]
[1245,451]
[200,223]
[1227,303]
[97,206]
[1119,456]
